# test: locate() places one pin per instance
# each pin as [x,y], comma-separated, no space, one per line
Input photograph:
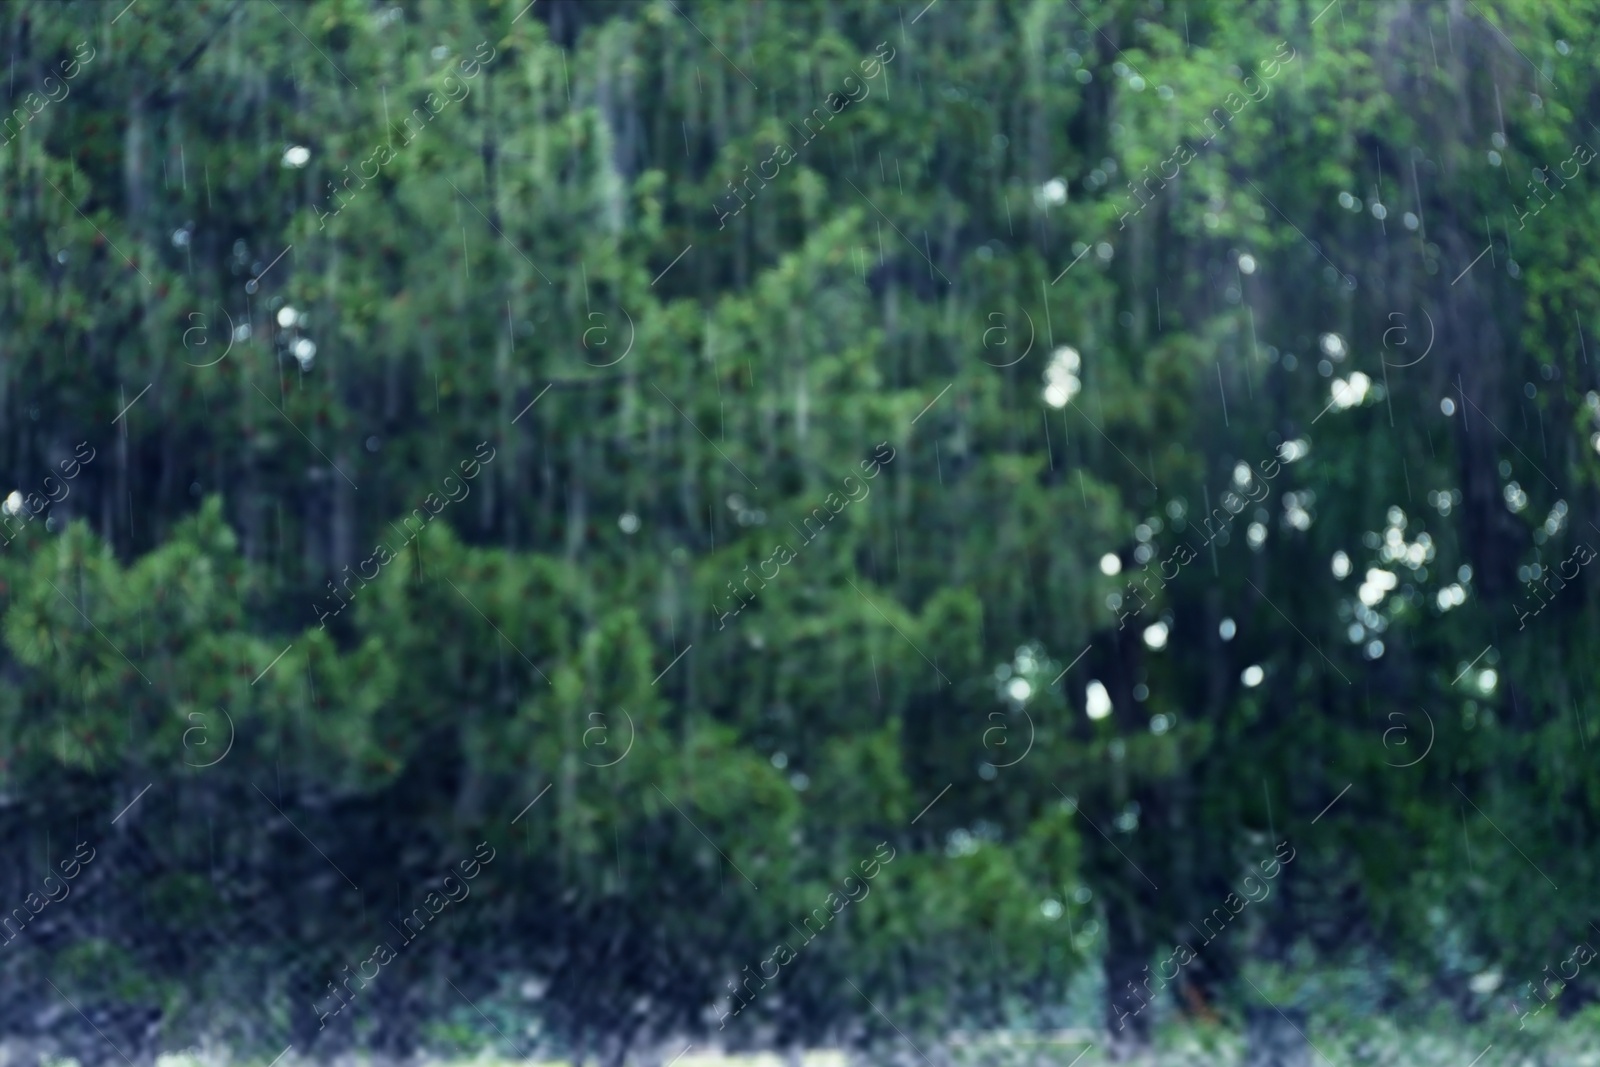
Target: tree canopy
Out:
[855,487]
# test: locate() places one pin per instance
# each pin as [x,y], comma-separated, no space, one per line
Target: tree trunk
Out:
[613,1051]
[1275,1039]
[1128,907]
[1127,954]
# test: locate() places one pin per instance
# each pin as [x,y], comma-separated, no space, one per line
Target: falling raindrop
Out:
[1061,377]
[1155,636]
[1097,702]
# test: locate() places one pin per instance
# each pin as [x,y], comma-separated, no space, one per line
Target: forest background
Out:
[276,275]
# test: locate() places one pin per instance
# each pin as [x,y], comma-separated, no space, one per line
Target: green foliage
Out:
[678,369]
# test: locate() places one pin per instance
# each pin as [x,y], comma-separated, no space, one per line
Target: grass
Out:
[1381,1043]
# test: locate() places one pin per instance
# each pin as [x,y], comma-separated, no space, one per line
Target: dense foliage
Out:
[839,464]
